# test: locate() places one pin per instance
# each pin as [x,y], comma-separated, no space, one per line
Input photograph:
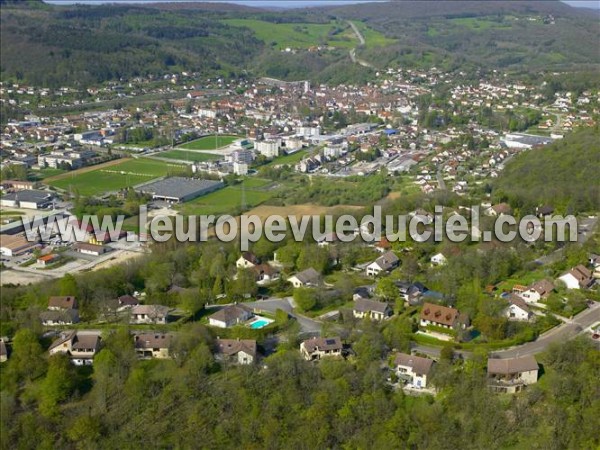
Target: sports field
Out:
[185,155]
[109,178]
[212,142]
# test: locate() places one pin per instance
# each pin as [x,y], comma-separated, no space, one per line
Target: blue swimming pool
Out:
[259,324]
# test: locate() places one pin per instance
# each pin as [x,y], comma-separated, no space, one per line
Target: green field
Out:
[184,155]
[112,178]
[289,159]
[225,201]
[209,143]
[305,35]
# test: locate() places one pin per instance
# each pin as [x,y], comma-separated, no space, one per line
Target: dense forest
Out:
[564,175]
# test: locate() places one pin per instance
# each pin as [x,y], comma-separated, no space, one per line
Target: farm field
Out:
[209,143]
[185,155]
[224,201]
[108,178]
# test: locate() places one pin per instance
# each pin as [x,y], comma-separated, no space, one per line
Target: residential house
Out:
[442,316]
[126,302]
[517,309]
[230,315]
[512,374]
[241,351]
[247,261]
[57,318]
[265,273]
[579,277]
[438,259]
[308,277]
[411,292]
[413,369]
[156,314]
[153,345]
[318,347]
[385,263]
[537,291]
[372,309]
[3,351]
[80,346]
[62,310]
[500,209]
[46,260]
[60,303]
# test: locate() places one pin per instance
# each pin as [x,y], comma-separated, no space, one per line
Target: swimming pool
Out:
[260,323]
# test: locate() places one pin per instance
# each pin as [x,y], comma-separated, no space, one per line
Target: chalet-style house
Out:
[152,345]
[307,278]
[579,277]
[385,263]
[512,374]
[240,351]
[317,348]
[372,309]
[79,346]
[247,261]
[230,315]
[442,316]
[151,314]
[413,369]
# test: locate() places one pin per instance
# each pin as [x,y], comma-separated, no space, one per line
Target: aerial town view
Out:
[301,224]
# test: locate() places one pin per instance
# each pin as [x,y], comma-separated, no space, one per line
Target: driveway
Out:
[307,325]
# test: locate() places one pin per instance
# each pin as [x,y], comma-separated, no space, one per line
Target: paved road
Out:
[362,42]
[561,333]
[585,230]
[440,180]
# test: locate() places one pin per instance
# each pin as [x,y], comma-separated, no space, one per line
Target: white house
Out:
[537,291]
[230,315]
[413,369]
[308,277]
[517,309]
[438,259]
[384,263]
[373,309]
[579,277]
[157,314]
[247,261]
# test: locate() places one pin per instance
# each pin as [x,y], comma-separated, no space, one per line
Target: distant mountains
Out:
[52,46]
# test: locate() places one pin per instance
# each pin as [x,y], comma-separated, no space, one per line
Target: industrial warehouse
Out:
[179,189]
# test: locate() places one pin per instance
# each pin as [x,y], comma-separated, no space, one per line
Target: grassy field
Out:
[209,143]
[184,155]
[112,178]
[289,159]
[305,35]
[225,201]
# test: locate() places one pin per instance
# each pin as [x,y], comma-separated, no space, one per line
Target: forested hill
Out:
[52,46]
[564,175]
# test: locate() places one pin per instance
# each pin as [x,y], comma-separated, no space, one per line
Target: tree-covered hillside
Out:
[564,174]
[53,46]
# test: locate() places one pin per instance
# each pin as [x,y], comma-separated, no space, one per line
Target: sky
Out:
[594,4]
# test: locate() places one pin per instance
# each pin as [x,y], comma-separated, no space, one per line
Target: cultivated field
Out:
[213,142]
[119,174]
